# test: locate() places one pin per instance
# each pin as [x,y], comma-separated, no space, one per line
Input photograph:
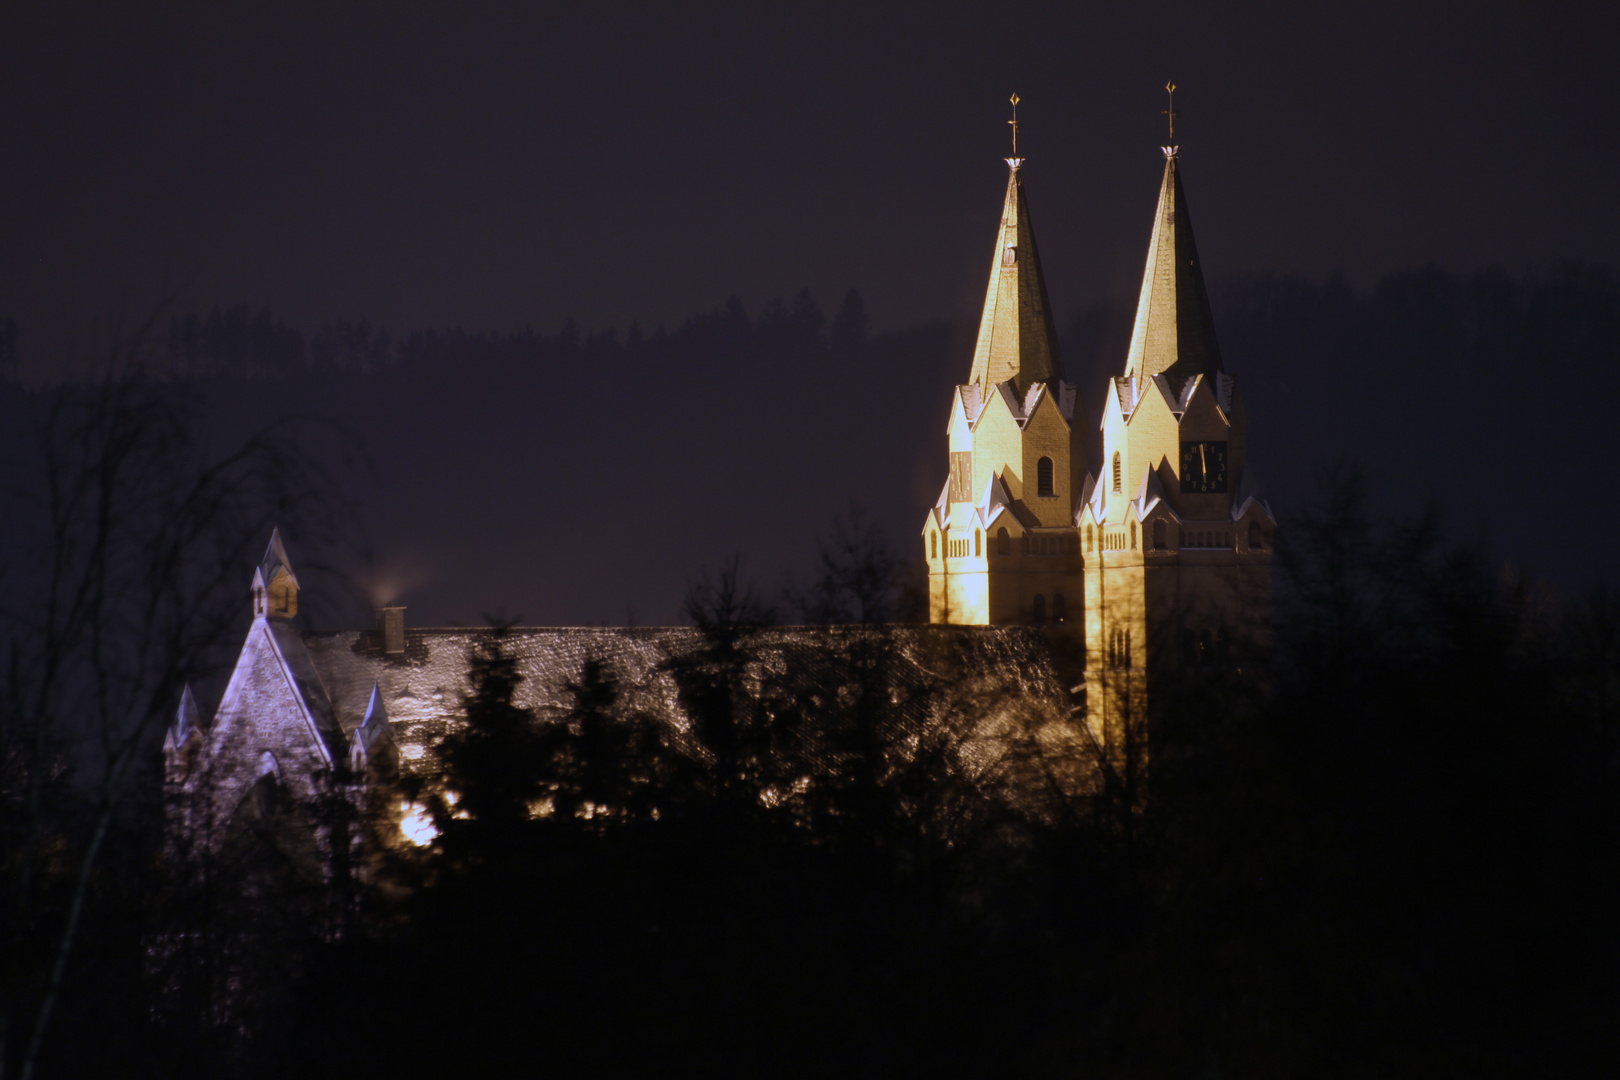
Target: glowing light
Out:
[417,825]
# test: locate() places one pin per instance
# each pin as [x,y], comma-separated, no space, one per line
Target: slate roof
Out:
[1175,330]
[1017,337]
[422,692]
[312,689]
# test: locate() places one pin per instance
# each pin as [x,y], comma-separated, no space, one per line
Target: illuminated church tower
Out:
[1177,543]
[1001,543]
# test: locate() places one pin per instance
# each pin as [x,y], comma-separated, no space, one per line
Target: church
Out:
[1062,593]
[1158,560]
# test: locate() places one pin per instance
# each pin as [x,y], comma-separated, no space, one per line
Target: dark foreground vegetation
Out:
[1396,859]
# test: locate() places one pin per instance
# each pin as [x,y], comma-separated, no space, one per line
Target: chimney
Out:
[391,629]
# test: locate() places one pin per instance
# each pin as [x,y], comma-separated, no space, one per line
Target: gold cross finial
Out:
[1014,123]
[1170,88]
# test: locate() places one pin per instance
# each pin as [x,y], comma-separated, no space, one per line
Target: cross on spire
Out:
[1170,88]
[1014,123]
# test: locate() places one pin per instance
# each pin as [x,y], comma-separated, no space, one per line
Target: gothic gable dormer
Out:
[372,746]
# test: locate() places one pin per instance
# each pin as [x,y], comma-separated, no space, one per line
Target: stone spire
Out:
[1017,339]
[1174,333]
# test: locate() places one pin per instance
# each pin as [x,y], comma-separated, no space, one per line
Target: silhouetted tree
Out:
[857,577]
[494,764]
[128,542]
[605,763]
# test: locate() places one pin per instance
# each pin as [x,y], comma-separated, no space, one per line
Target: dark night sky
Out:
[493,166]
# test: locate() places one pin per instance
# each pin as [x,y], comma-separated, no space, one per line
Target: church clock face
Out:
[1203,467]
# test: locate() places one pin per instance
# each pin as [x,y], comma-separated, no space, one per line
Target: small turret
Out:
[183,737]
[275,586]
[185,719]
[372,745]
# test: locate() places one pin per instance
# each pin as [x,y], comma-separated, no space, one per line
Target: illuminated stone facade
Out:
[1000,542]
[1168,547]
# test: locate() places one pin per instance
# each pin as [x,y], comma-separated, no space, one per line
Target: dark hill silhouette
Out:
[579,477]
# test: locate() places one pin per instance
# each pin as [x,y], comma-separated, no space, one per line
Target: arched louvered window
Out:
[1043,474]
[933,544]
[1159,540]
[1116,471]
[1091,540]
[1133,536]
[1040,608]
[1257,540]
[1003,542]
[976,547]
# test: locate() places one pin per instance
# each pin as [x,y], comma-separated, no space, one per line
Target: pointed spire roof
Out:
[376,721]
[275,558]
[185,717]
[1017,338]
[1174,333]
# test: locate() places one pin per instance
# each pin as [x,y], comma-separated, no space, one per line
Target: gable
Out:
[267,708]
[1203,418]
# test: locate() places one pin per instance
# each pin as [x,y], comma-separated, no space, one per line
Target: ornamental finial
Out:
[1015,161]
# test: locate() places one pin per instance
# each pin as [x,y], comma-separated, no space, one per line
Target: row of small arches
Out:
[1207,539]
[1115,540]
[1119,648]
[1031,544]
[1189,538]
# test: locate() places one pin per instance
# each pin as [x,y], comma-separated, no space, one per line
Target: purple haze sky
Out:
[500,165]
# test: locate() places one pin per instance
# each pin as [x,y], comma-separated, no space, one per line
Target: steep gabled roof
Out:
[1174,332]
[1125,393]
[1151,494]
[1086,491]
[373,730]
[1017,338]
[275,558]
[972,398]
[995,500]
[307,686]
[1249,492]
[941,509]
[1098,502]
[185,721]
